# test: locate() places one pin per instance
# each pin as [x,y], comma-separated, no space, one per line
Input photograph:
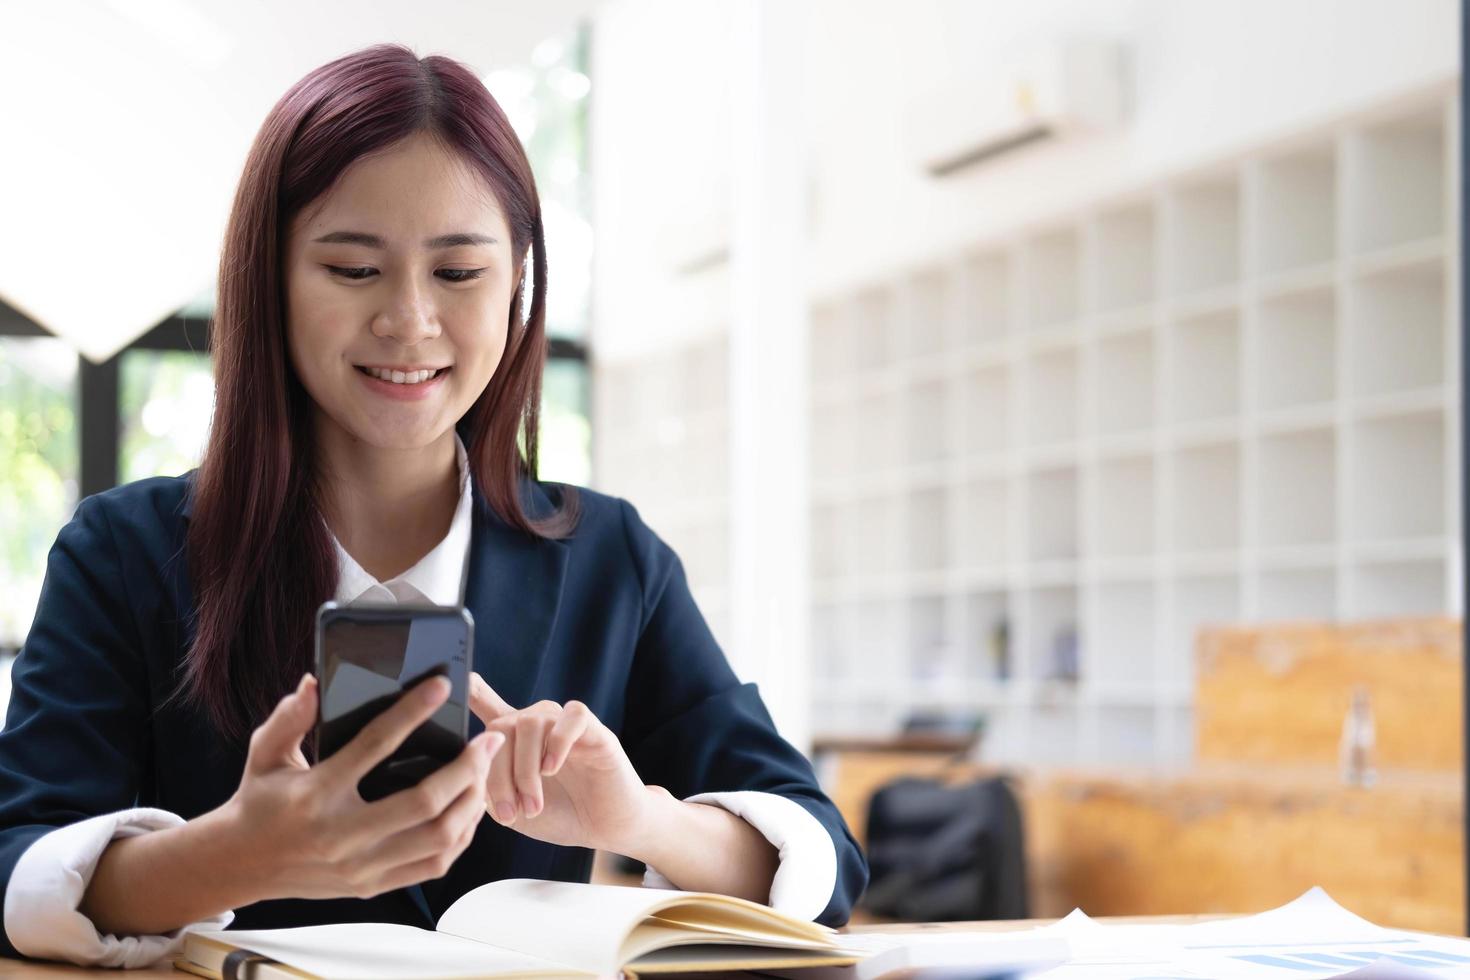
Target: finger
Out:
[531,732]
[571,726]
[434,836]
[484,702]
[428,799]
[386,732]
[500,787]
[278,739]
[433,866]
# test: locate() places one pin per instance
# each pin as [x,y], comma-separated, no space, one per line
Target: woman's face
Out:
[404,267]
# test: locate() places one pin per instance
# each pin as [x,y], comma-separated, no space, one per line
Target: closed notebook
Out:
[529,928]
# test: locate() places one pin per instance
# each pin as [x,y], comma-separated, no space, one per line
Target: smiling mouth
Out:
[403,377]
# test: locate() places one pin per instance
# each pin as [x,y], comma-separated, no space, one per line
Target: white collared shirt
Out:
[47,884]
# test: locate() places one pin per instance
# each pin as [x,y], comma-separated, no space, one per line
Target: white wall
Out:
[1212,76]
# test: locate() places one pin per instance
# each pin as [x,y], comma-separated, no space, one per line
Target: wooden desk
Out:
[21,970]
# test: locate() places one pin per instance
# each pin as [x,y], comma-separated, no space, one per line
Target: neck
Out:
[387,507]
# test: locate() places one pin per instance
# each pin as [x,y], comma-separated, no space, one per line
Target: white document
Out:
[1310,938]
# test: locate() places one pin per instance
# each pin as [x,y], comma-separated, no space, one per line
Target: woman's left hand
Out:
[562,775]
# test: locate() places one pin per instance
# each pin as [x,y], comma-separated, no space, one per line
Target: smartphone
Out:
[367,657]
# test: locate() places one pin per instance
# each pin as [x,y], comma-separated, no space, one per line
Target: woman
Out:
[374,439]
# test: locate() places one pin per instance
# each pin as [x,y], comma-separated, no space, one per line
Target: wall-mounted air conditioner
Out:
[1057,89]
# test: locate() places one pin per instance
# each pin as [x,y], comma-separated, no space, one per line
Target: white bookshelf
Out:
[1227,397]
[662,441]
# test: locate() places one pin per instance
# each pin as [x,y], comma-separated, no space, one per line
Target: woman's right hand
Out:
[305,830]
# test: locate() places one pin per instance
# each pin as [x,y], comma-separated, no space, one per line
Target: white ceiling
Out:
[126,123]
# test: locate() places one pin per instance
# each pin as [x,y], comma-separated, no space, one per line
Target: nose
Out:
[408,315]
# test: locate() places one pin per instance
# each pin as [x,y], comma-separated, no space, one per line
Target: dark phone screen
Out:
[366,657]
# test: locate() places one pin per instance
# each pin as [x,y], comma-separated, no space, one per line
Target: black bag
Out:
[942,853]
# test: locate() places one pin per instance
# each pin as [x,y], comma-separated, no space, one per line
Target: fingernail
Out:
[301,685]
[546,764]
[433,689]
[505,813]
[529,806]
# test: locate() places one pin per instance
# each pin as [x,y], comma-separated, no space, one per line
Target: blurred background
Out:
[1054,404]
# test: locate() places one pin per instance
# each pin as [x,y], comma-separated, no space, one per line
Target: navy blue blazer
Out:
[604,617]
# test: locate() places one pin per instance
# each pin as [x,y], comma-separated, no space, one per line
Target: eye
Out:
[461,275]
[359,272]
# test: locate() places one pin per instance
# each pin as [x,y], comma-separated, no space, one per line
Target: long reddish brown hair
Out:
[260,555]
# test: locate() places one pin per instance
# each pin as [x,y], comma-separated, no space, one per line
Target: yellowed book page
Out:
[586,926]
[655,934]
[372,951]
[738,921]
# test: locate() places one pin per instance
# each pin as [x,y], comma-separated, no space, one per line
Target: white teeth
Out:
[401,377]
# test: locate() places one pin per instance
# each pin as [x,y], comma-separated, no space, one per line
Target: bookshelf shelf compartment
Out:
[1297,594]
[1297,351]
[829,544]
[987,411]
[990,637]
[1206,237]
[1053,634]
[1120,651]
[1207,497]
[875,546]
[875,334]
[1125,383]
[880,421]
[1390,589]
[930,530]
[1396,483]
[1125,258]
[1297,488]
[1053,280]
[1401,162]
[1397,330]
[1199,601]
[1052,388]
[1125,508]
[930,434]
[987,298]
[932,651]
[932,305]
[986,531]
[1206,367]
[1295,210]
[1051,530]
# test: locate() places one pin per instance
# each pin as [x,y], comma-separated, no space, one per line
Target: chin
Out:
[380,436]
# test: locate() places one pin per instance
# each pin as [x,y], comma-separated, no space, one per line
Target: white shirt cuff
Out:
[807,873]
[47,884]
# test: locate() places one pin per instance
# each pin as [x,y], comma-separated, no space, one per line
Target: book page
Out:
[588,927]
[371,951]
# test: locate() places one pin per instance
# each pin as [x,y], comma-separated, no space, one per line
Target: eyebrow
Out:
[373,241]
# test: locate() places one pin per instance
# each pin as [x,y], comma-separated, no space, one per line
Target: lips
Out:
[404,390]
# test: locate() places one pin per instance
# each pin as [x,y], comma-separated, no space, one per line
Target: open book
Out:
[523,927]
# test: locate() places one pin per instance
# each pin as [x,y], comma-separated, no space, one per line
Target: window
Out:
[166,399]
[39,462]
